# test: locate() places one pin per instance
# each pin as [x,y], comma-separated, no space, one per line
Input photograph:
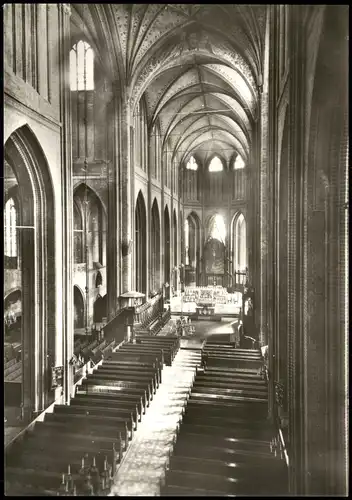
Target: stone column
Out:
[126,199]
[67,200]
[113,247]
[150,236]
[162,219]
[296,356]
[263,193]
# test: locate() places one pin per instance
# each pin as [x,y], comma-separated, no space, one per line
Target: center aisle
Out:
[146,459]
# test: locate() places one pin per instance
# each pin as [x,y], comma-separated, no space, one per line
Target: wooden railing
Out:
[148,311]
[116,328]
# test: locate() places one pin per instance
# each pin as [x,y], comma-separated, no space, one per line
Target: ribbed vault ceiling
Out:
[198,67]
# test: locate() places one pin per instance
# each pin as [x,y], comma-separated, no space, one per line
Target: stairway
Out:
[144,464]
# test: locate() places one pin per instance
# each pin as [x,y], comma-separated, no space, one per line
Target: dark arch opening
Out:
[98,280]
[140,245]
[155,248]
[99,309]
[78,304]
[166,245]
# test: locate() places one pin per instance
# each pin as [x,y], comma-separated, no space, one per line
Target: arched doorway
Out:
[29,235]
[155,249]
[78,305]
[140,245]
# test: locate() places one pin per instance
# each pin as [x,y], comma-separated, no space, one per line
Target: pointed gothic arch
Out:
[36,241]
[239,251]
[155,248]
[140,244]
[79,307]
[167,237]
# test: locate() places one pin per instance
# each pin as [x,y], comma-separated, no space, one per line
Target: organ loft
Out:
[175,249]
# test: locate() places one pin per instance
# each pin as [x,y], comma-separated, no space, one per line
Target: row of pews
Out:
[13,370]
[225,355]
[77,448]
[91,349]
[13,374]
[224,445]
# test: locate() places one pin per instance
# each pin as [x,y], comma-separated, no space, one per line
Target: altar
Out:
[207,302]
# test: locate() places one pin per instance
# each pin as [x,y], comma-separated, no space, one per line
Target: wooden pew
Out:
[106,380]
[127,405]
[86,422]
[199,393]
[136,358]
[173,343]
[239,470]
[225,389]
[228,361]
[231,349]
[225,485]
[134,366]
[8,364]
[201,437]
[202,449]
[206,426]
[93,386]
[118,408]
[152,374]
[70,446]
[238,372]
[142,350]
[179,491]
[230,379]
[120,397]
[228,407]
[123,416]
[89,430]
[194,414]
[128,376]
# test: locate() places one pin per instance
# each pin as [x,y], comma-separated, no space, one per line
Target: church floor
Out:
[144,463]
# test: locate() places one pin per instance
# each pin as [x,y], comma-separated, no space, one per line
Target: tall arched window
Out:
[192,164]
[218,228]
[216,165]
[82,66]
[239,163]
[186,242]
[10,243]
[78,251]
[240,246]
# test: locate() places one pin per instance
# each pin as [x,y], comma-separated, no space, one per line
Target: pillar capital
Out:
[66,7]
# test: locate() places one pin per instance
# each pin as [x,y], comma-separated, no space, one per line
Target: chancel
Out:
[176,249]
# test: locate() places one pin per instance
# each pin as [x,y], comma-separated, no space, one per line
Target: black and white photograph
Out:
[176,249]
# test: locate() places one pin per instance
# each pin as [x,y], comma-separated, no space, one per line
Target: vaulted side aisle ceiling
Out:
[199,68]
